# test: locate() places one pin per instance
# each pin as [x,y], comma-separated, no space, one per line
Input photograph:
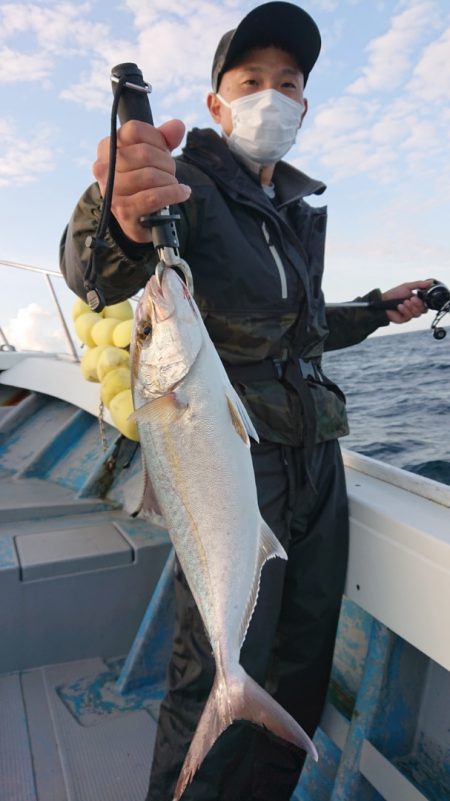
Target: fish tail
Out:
[240,698]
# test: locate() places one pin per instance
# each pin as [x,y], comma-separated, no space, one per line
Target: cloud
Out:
[431,76]
[33,37]
[172,43]
[391,55]
[394,237]
[34,328]
[22,160]
[327,5]
[17,66]
[366,130]
[399,140]
[390,136]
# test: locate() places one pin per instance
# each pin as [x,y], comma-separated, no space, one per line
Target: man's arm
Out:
[124,265]
[145,181]
[349,326]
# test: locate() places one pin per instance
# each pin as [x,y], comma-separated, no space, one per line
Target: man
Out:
[255,248]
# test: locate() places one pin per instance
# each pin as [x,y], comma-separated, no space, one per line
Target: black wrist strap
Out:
[97,243]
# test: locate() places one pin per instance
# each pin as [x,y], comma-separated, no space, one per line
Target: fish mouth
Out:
[183,270]
[160,301]
[160,306]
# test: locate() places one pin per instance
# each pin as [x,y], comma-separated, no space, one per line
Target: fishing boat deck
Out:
[46,755]
[77,573]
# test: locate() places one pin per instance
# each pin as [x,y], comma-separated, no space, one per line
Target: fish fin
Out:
[238,424]
[148,505]
[240,417]
[238,697]
[165,409]
[269,547]
[212,723]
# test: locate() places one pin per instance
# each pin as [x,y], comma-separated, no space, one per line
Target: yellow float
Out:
[120,311]
[89,362]
[114,382]
[102,332]
[122,333]
[106,359]
[84,324]
[110,358]
[120,408]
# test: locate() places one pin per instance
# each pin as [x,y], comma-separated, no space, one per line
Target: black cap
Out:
[282,24]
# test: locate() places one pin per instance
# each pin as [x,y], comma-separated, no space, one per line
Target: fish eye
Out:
[145,331]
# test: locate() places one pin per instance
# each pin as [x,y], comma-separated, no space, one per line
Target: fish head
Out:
[167,335]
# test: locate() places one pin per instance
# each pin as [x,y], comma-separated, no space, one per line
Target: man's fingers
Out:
[166,137]
[156,167]
[103,149]
[135,181]
[145,178]
[419,284]
[413,307]
[142,155]
[134,132]
[128,208]
[173,132]
[100,171]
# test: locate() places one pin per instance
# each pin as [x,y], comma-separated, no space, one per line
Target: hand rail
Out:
[47,276]
[397,477]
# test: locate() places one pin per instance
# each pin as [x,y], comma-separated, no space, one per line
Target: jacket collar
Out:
[292,184]
[209,151]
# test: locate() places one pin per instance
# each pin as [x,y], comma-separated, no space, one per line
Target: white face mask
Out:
[265,125]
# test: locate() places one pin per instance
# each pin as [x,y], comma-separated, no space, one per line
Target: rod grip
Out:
[133,105]
[386,305]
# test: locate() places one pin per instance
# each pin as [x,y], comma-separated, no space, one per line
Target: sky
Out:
[377,130]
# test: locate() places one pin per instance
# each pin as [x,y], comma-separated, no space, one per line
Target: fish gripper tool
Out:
[134,104]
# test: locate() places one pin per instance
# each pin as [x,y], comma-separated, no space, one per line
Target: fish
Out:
[195,439]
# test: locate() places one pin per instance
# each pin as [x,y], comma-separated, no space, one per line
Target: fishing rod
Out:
[436,298]
[131,102]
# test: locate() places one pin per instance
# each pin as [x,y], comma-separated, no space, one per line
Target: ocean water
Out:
[398,400]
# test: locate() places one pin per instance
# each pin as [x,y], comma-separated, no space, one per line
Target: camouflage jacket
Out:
[257,265]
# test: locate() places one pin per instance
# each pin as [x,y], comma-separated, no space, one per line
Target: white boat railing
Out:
[403,479]
[47,276]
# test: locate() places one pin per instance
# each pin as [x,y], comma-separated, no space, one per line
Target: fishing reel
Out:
[436,298]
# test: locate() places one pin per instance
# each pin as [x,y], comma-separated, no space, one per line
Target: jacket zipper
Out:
[278,262]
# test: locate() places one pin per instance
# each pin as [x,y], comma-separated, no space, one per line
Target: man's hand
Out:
[412,307]
[145,173]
